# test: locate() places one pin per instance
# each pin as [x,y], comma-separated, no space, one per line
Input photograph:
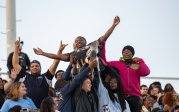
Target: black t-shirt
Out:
[24,61]
[37,86]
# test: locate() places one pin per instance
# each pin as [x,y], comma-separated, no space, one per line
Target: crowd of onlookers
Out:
[157,99]
[153,98]
[90,83]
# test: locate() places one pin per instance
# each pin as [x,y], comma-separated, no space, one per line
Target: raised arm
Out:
[110,30]
[55,63]
[15,59]
[60,56]
[12,77]
[78,79]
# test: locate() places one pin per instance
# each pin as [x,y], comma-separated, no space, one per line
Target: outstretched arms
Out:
[60,56]
[110,30]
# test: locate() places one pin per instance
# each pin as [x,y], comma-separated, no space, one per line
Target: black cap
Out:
[128,47]
[35,61]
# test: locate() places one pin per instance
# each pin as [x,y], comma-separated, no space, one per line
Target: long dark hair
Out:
[47,105]
[120,92]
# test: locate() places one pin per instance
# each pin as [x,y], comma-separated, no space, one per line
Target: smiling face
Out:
[22,90]
[127,54]
[79,42]
[148,101]
[35,68]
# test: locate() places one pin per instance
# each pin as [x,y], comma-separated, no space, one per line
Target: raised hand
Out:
[38,51]
[13,74]
[72,59]
[116,20]
[135,59]
[103,62]
[17,43]
[62,46]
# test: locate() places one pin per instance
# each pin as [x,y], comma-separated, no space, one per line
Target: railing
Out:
[144,80]
[162,78]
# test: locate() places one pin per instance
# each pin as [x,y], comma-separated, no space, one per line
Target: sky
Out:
[150,26]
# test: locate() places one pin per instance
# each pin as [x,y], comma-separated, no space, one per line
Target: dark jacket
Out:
[86,102]
[67,91]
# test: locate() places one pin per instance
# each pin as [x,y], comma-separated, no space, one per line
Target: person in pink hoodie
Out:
[130,69]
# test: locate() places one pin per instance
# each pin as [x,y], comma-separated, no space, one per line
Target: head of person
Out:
[168,88]
[51,92]
[79,42]
[158,84]
[169,99]
[48,105]
[176,108]
[16,108]
[59,74]
[155,90]
[60,84]
[106,77]
[86,86]
[35,68]
[113,83]
[111,77]
[18,90]
[143,89]
[128,52]
[148,101]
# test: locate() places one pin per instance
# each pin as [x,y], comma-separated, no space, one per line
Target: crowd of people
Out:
[90,83]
